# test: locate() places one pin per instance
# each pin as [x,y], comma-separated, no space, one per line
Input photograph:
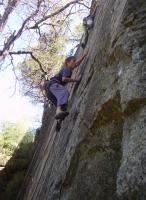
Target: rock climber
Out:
[57,85]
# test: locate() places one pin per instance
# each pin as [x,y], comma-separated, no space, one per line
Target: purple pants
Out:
[61,93]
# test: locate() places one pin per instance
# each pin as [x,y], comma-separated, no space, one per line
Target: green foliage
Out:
[13,185]
[18,144]
[10,137]
[78,31]
[51,54]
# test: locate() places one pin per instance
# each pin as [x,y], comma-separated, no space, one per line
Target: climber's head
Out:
[70,62]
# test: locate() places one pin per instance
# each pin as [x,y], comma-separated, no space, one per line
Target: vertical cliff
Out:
[100,151]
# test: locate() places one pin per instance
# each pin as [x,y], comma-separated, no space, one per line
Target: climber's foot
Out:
[61,115]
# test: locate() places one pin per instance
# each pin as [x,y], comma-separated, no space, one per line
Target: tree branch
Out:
[9,9]
[14,36]
[17,79]
[33,57]
[55,13]
[84,5]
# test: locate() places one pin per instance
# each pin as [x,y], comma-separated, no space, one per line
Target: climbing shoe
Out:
[62,115]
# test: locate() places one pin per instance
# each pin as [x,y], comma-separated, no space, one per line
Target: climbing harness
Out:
[51,98]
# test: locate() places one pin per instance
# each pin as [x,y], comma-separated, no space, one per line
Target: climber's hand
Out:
[78,79]
[86,53]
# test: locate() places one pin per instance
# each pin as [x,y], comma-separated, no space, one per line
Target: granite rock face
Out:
[100,151]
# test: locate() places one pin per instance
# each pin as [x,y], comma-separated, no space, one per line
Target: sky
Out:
[13,106]
[16,108]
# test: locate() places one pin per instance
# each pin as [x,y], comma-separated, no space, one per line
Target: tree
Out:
[10,137]
[17,145]
[50,53]
[35,17]
[37,20]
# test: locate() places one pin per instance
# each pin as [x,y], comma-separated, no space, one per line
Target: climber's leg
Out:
[61,93]
[52,98]
[61,115]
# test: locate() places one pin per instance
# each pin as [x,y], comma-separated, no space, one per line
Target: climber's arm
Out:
[67,80]
[78,61]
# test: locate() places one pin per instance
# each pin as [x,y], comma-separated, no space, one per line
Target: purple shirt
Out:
[64,72]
